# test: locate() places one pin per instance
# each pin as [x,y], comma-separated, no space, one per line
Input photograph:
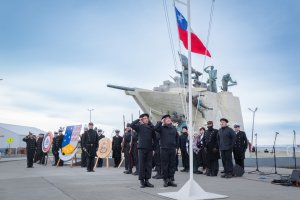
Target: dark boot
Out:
[142,182]
[148,184]
[172,184]
[166,182]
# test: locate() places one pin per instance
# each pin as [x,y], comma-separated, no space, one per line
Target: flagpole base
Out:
[191,190]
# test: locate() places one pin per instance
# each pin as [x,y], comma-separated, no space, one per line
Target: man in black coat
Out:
[30,148]
[210,142]
[168,145]
[100,136]
[55,149]
[146,138]
[226,141]
[59,140]
[90,144]
[240,146]
[183,145]
[126,145]
[117,148]
[39,151]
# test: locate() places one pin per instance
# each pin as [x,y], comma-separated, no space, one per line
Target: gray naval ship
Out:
[171,98]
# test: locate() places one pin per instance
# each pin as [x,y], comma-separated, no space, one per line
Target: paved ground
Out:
[65,183]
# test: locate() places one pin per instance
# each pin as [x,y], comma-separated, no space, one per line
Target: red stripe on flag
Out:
[197,45]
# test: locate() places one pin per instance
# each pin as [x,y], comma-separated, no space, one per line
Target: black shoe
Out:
[142,182]
[228,176]
[223,176]
[184,170]
[160,176]
[198,172]
[148,184]
[222,172]
[172,184]
[128,172]
[166,182]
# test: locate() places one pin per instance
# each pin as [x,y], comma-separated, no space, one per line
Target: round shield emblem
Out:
[105,147]
[47,142]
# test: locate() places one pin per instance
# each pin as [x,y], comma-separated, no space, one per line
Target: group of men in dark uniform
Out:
[215,144]
[163,140]
[141,139]
[35,152]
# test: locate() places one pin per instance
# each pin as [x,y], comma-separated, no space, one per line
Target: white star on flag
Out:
[180,17]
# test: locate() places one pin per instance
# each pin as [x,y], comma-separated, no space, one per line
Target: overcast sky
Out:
[56,58]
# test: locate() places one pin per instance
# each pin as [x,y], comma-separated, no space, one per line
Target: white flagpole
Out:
[191,130]
[191,190]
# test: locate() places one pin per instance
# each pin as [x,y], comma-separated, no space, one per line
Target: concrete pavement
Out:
[66,183]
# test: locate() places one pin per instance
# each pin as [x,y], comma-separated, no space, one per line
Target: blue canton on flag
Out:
[68,135]
[181,21]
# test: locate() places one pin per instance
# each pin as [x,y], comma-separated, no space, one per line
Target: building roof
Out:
[21,130]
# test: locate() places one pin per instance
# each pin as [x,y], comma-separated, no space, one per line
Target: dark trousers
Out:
[168,162]
[83,159]
[30,155]
[56,157]
[196,161]
[185,159]
[90,162]
[157,160]
[117,157]
[203,159]
[145,157]
[177,161]
[239,162]
[227,161]
[134,158]
[100,162]
[213,166]
[127,158]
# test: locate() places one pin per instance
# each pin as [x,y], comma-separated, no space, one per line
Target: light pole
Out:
[253,111]
[90,110]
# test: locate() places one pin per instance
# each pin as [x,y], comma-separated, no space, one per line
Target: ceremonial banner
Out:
[47,142]
[105,147]
[70,141]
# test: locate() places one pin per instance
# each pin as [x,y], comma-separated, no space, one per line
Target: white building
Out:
[17,133]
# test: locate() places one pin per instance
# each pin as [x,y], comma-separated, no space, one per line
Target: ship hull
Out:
[156,103]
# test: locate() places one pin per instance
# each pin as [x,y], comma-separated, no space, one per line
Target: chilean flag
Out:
[196,44]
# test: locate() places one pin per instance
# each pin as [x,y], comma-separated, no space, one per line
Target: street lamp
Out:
[90,110]
[253,111]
